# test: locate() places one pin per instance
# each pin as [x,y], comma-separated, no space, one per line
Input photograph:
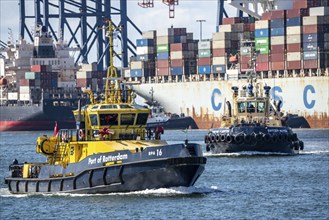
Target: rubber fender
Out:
[284,137]
[296,145]
[206,139]
[207,148]
[218,138]
[247,138]
[229,138]
[301,144]
[223,137]
[213,138]
[274,138]
[238,139]
[294,137]
[259,137]
[267,138]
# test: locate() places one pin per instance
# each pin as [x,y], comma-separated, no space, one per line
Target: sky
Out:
[186,14]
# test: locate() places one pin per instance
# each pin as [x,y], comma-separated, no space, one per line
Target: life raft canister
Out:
[81,134]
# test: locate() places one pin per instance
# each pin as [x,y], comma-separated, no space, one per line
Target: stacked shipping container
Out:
[262,44]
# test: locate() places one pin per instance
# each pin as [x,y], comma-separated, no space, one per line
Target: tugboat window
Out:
[251,107]
[108,119]
[108,106]
[127,119]
[142,118]
[93,119]
[261,107]
[242,107]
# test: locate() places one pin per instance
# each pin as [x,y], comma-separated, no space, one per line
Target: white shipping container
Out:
[149,34]
[12,95]
[126,73]
[221,36]
[221,44]
[313,20]
[218,61]
[294,30]
[165,39]
[24,89]
[204,45]
[24,96]
[89,67]
[83,74]
[278,40]
[318,11]
[225,28]
[294,39]
[262,24]
[136,65]
[66,84]
[294,56]
[145,50]
[176,55]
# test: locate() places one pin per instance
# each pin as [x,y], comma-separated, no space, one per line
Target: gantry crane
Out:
[170,3]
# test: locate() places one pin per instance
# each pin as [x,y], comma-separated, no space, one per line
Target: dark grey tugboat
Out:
[109,151]
[253,123]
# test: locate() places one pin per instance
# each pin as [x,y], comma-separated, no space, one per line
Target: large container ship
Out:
[292,47]
[189,77]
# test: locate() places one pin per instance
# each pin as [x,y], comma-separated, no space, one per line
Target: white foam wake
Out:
[173,191]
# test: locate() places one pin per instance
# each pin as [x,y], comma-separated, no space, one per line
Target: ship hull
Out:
[121,178]
[253,138]
[204,101]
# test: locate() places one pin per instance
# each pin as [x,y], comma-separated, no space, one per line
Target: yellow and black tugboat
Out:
[109,151]
[253,123]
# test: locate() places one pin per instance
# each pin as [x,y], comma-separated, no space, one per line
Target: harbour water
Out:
[233,186]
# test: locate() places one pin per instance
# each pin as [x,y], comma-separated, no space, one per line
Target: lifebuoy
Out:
[81,134]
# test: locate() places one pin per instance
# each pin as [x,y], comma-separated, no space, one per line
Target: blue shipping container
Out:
[176,71]
[145,57]
[312,46]
[278,23]
[261,33]
[163,56]
[144,42]
[294,22]
[312,38]
[219,69]
[310,55]
[204,69]
[136,73]
[277,31]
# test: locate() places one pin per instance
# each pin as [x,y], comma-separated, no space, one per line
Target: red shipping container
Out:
[262,67]
[312,29]
[245,59]
[277,57]
[262,58]
[309,3]
[294,13]
[178,47]
[220,52]
[278,48]
[204,61]
[163,63]
[310,64]
[38,68]
[84,82]
[266,15]
[234,20]
[294,65]
[26,82]
[278,65]
[277,14]
[245,66]
[177,63]
[162,72]
[294,48]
